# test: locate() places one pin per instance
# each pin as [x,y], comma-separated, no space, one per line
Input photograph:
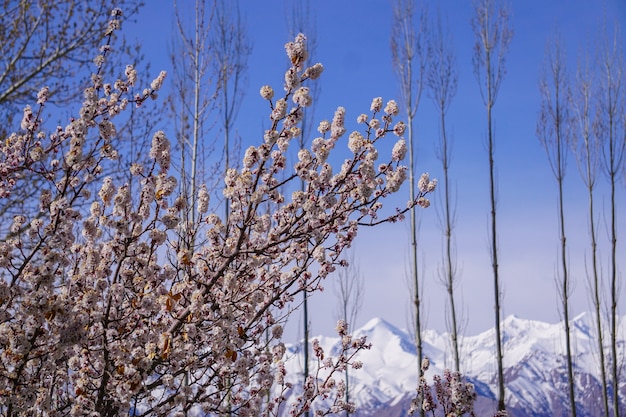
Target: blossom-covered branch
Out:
[103,312]
[453,395]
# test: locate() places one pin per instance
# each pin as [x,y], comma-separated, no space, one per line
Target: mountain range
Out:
[534,367]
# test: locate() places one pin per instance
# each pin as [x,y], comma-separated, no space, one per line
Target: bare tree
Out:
[442,85]
[231,49]
[349,287]
[38,39]
[49,44]
[554,133]
[611,131]
[217,54]
[586,149]
[493,34]
[409,54]
[300,20]
[192,102]
[209,61]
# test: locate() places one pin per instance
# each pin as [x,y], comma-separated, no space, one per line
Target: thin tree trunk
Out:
[409,46]
[448,235]
[565,295]
[587,158]
[347,390]
[414,251]
[613,169]
[226,145]
[553,131]
[494,260]
[493,35]
[611,130]
[613,331]
[596,302]
[301,21]
[196,120]
[494,237]
[350,296]
[561,129]
[442,84]
[306,339]
[590,180]
[230,60]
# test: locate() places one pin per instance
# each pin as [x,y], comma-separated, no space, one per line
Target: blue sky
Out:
[353,44]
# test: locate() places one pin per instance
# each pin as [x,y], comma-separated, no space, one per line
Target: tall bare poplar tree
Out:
[554,133]
[586,149]
[192,102]
[300,20]
[208,79]
[442,84]
[229,58]
[209,61]
[611,131]
[409,54]
[493,34]
[231,49]
[349,286]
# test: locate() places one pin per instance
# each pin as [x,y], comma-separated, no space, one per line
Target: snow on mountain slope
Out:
[534,361]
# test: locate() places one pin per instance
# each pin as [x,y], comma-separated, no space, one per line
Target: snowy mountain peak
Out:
[377,322]
[379,327]
[584,323]
[534,361]
[381,333]
[516,331]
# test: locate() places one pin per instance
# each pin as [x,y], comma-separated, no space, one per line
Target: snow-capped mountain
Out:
[534,366]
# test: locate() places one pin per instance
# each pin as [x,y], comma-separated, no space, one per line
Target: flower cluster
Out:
[323,392]
[453,395]
[104,307]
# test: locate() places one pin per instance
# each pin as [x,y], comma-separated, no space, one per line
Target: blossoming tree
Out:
[102,314]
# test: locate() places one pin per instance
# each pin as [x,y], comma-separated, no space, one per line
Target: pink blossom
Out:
[377,104]
[158,81]
[314,71]
[341,328]
[302,98]
[131,74]
[392,108]
[160,150]
[399,150]
[292,79]
[399,129]
[107,191]
[337,126]
[324,126]
[203,199]
[280,110]
[28,119]
[42,95]
[267,92]
[423,182]
[296,51]
[355,142]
